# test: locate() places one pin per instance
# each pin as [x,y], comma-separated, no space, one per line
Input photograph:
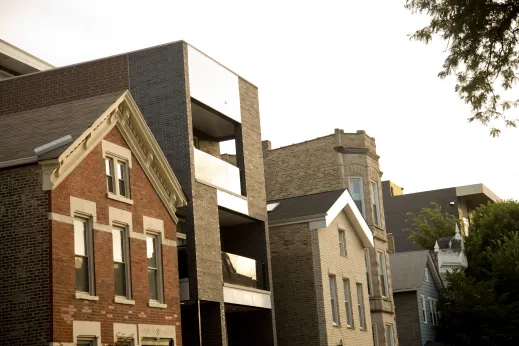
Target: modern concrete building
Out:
[191,103]
[87,227]
[16,62]
[334,162]
[459,201]
[416,290]
[318,245]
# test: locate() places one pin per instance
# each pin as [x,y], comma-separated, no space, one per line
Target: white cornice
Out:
[126,116]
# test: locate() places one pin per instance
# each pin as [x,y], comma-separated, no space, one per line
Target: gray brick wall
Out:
[408,320]
[25,314]
[297,310]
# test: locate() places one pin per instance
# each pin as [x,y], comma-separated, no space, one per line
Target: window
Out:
[196,142]
[86,341]
[422,307]
[376,203]
[383,273]
[374,330]
[389,335]
[342,242]
[360,304]
[433,313]
[120,186]
[333,298]
[83,249]
[153,249]
[426,275]
[368,271]
[121,254]
[356,193]
[347,303]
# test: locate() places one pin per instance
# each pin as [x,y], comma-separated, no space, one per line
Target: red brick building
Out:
[88,227]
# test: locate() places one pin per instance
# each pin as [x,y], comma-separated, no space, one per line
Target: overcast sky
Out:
[319,65]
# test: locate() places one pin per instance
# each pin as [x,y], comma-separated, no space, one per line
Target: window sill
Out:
[156,304]
[123,300]
[363,329]
[85,296]
[119,198]
[351,327]
[335,325]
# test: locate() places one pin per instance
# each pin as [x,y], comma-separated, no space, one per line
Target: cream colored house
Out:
[318,248]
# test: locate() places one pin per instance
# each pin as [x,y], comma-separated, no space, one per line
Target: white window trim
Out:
[392,343]
[127,263]
[376,200]
[432,311]
[426,275]
[124,219]
[159,303]
[348,303]
[342,244]
[383,268]
[361,306]
[424,310]
[118,153]
[336,319]
[86,330]
[363,211]
[89,244]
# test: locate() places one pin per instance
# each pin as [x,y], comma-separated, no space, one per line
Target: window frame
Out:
[334,300]
[350,321]
[433,313]
[426,274]
[126,256]
[116,153]
[342,243]
[89,251]
[362,200]
[375,196]
[384,284]
[374,330]
[160,278]
[423,308]
[367,261]
[390,340]
[92,340]
[361,306]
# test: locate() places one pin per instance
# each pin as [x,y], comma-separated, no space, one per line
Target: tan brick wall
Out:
[302,169]
[351,267]
[88,182]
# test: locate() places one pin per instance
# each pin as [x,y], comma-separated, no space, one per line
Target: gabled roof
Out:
[25,131]
[319,210]
[408,270]
[59,137]
[304,206]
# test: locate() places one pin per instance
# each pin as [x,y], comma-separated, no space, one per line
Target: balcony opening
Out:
[248,325]
[244,251]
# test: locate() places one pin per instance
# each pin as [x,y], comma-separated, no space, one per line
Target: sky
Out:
[319,65]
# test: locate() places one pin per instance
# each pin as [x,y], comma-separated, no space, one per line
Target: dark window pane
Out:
[82,274]
[152,284]
[109,175]
[120,279]
[110,183]
[122,187]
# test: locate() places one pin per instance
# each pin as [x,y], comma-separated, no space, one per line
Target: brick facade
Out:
[25,309]
[88,182]
[326,164]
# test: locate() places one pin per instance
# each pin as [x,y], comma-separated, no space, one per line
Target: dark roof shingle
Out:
[295,207]
[408,269]
[23,132]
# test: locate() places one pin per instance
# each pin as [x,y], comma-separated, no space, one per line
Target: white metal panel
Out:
[232,202]
[213,171]
[234,295]
[213,85]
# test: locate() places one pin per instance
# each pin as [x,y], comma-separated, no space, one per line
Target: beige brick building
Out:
[318,243]
[337,161]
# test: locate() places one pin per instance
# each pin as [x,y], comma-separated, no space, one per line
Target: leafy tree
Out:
[489,222]
[482,43]
[481,305]
[429,225]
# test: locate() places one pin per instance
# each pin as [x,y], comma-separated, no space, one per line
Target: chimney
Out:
[266,145]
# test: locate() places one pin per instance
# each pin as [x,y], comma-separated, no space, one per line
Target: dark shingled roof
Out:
[294,207]
[23,132]
[408,269]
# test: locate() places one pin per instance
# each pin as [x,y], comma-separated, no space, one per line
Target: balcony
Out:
[243,271]
[215,172]
[245,281]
